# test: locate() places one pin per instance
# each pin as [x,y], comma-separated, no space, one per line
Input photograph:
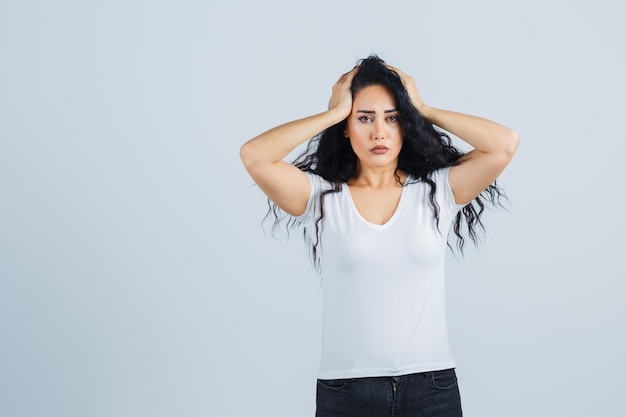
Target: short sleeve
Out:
[440,177]
[313,209]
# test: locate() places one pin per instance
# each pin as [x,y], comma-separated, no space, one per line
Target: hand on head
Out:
[411,88]
[341,98]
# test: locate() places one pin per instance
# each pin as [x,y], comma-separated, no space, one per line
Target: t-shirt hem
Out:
[365,373]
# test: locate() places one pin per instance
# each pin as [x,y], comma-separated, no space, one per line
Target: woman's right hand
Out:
[285,184]
[341,98]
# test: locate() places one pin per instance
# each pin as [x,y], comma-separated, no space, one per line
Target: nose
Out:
[378,129]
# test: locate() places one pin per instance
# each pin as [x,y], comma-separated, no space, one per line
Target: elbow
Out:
[247,155]
[511,143]
[507,146]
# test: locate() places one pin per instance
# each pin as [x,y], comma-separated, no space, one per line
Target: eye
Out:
[365,119]
[393,118]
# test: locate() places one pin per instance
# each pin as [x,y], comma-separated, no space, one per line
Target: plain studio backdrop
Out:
[135,277]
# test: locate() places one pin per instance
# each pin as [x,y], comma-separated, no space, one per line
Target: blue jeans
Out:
[425,394]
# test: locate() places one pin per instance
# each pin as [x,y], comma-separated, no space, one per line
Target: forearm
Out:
[275,144]
[482,134]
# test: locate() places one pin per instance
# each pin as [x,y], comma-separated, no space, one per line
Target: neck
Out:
[378,178]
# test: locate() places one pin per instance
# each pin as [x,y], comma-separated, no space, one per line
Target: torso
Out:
[383,260]
[376,205]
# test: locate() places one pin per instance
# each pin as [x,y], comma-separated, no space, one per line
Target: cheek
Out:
[398,131]
[352,130]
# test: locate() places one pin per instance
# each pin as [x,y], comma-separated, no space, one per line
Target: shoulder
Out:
[437,183]
[444,189]
[438,176]
[318,183]
[319,186]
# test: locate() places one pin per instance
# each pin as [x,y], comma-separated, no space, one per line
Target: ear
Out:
[345,133]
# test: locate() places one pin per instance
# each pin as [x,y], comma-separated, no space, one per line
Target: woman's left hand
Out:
[411,88]
[494,144]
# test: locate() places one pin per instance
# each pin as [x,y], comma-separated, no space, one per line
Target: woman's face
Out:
[374,128]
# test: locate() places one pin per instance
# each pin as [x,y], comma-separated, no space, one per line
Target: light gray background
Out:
[135,279]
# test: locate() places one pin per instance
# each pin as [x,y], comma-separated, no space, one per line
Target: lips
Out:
[379,149]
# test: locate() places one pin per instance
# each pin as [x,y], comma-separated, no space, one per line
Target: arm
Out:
[494,145]
[283,183]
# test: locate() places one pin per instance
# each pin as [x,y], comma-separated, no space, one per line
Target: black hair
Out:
[425,149]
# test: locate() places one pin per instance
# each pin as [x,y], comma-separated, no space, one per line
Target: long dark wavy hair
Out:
[424,150]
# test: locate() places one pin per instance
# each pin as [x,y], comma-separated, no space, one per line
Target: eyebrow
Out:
[373,112]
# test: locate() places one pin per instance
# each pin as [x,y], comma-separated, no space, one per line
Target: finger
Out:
[391,67]
[350,73]
[397,71]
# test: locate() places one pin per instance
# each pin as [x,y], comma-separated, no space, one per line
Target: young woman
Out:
[377,192]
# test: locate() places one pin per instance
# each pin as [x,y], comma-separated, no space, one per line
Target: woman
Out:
[376,193]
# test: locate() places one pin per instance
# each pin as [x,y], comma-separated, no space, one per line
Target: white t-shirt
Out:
[384,308]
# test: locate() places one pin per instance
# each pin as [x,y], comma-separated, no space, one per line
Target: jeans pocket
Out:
[333,384]
[445,379]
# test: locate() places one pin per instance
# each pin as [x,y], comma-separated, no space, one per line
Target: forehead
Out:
[374,95]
